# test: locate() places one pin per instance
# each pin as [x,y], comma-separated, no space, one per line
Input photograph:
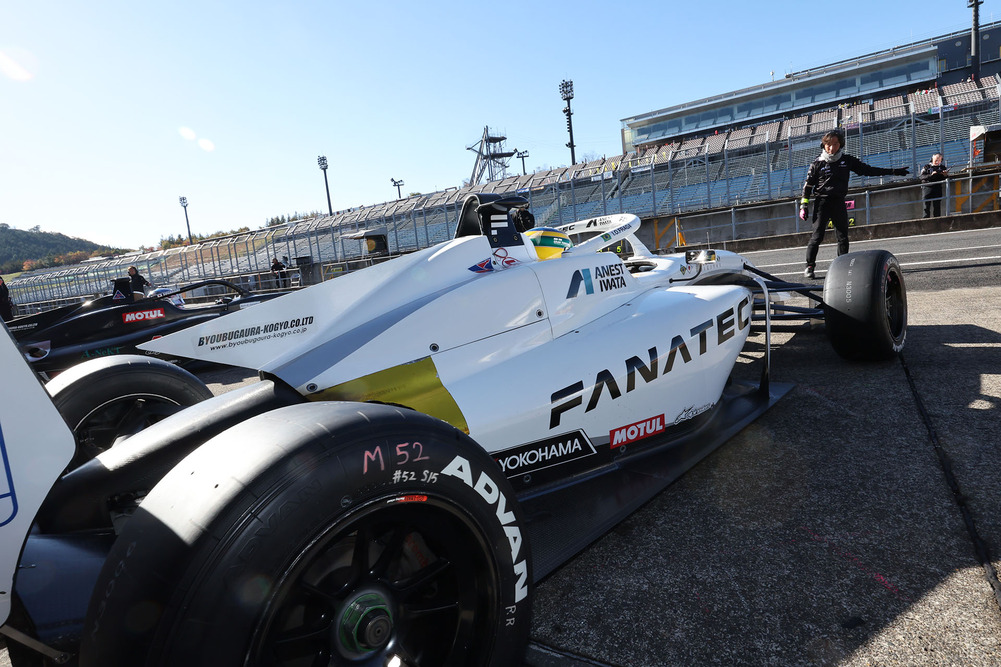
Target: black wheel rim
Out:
[896,307]
[397,582]
[123,416]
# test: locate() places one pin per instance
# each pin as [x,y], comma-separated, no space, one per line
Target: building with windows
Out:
[862,80]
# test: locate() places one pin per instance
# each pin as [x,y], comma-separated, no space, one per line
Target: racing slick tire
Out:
[865,306]
[323,533]
[106,399]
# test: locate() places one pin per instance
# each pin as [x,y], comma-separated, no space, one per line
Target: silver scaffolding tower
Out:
[492,158]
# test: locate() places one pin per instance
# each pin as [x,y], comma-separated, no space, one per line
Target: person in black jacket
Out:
[278,269]
[139,283]
[6,307]
[932,175]
[827,183]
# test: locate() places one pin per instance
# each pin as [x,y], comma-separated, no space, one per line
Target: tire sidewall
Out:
[88,387]
[855,311]
[287,497]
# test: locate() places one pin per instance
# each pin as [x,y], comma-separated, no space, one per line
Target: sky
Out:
[110,110]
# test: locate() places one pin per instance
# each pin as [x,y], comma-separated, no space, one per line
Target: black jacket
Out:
[931,177]
[830,179]
[138,283]
[5,307]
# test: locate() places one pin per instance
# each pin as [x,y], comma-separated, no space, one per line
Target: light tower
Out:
[975,38]
[184,203]
[322,161]
[566,92]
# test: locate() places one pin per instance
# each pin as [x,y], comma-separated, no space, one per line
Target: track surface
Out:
[856,523]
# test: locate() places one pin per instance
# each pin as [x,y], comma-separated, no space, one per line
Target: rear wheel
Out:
[107,399]
[865,305]
[320,534]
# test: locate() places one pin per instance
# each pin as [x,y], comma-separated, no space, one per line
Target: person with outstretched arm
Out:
[827,183]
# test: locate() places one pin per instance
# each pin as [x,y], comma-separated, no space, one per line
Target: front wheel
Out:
[320,534]
[865,305]
[107,399]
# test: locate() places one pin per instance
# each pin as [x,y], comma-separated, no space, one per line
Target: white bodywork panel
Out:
[506,340]
[35,447]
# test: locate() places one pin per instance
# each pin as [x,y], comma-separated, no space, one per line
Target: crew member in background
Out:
[932,176]
[278,269]
[6,306]
[827,183]
[139,283]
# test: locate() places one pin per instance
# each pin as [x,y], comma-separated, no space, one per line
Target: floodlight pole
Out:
[184,203]
[975,38]
[397,183]
[322,161]
[522,155]
[566,92]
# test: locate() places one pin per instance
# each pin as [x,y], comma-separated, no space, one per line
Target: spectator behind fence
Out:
[827,182]
[278,269]
[932,177]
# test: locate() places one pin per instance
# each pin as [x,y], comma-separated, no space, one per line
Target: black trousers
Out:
[832,209]
[933,206]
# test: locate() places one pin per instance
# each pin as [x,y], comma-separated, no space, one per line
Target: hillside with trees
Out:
[34,249]
[23,250]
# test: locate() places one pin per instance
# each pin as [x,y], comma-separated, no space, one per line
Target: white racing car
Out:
[430,436]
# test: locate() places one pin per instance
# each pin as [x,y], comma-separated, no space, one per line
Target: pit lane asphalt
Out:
[858,522]
[842,527]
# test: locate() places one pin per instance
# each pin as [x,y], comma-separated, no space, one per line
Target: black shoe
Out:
[808,273]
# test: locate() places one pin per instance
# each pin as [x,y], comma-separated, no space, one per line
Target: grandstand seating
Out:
[924,100]
[889,108]
[964,92]
[856,113]
[715,143]
[824,121]
[740,138]
[798,127]
[766,132]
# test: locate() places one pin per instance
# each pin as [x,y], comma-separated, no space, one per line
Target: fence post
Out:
[653,185]
[573,196]
[792,187]
[705,156]
[618,190]
[969,189]
[947,200]
[670,181]
[726,169]
[768,163]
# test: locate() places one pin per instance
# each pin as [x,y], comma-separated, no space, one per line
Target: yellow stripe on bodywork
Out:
[415,385]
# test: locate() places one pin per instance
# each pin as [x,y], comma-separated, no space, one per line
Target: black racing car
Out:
[57,339]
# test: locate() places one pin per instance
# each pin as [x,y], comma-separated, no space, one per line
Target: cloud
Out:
[206,145]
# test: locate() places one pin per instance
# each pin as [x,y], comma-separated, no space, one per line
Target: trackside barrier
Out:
[968,193]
